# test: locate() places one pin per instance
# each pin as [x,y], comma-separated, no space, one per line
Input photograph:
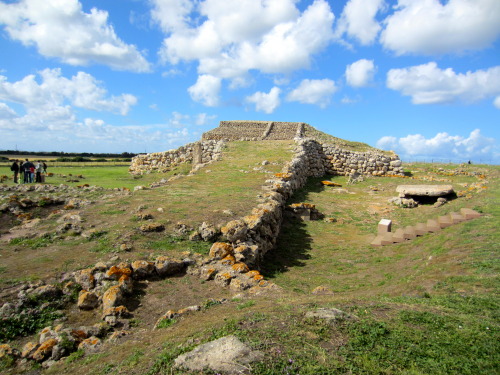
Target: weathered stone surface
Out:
[425,190]
[166,266]
[142,269]
[207,232]
[221,250]
[87,300]
[152,227]
[235,230]
[112,297]
[115,272]
[44,350]
[330,314]
[29,349]
[227,355]
[90,345]
[85,278]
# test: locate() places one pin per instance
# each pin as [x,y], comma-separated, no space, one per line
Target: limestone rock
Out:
[235,230]
[425,190]
[226,355]
[85,278]
[330,314]
[142,269]
[87,300]
[44,350]
[112,297]
[166,266]
[207,232]
[90,345]
[152,227]
[221,250]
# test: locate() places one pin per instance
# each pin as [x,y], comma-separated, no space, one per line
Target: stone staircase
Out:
[386,237]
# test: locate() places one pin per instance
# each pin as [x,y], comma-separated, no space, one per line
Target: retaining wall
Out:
[198,152]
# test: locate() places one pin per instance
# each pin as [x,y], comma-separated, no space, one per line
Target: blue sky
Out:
[420,77]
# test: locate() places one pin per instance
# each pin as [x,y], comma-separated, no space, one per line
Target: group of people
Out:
[28,172]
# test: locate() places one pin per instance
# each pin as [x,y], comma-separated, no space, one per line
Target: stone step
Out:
[456,217]
[445,221]
[421,229]
[433,225]
[468,213]
[409,232]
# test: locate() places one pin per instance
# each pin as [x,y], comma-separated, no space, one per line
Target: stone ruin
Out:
[329,158]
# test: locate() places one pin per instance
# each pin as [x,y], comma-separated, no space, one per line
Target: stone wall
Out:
[254,130]
[198,152]
[252,236]
[343,162]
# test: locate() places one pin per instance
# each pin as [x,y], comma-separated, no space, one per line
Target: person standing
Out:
[15,168]
[39,170]
[29,170]
[21,172]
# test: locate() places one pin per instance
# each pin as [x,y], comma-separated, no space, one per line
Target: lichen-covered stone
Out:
[90,345]
[115,272]
[44,350]
[142,269]
[29,349]
[87,300]
[112,297]
[85,278]
[235,230]
[221,250]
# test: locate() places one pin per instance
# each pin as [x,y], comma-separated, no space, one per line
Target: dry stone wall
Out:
[344,162]
[198,152]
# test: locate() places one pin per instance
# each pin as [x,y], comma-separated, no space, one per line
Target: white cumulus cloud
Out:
[428,84]
[55,93]
[266,102]
[358,20]
[233,38]
[435,27]
[206,90]
[360,73]
[313,91]
[444,146]
[62,30]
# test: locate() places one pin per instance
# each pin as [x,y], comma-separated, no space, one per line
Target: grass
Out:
[426,306]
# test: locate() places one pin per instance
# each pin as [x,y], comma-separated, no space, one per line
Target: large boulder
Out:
[226,355]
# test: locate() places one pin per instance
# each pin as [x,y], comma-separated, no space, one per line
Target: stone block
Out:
[456,217]
[444,221]
[382,240]
[433,226]
[468,213]
[384,226]
[421,229]
[398,236]
[409,233]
